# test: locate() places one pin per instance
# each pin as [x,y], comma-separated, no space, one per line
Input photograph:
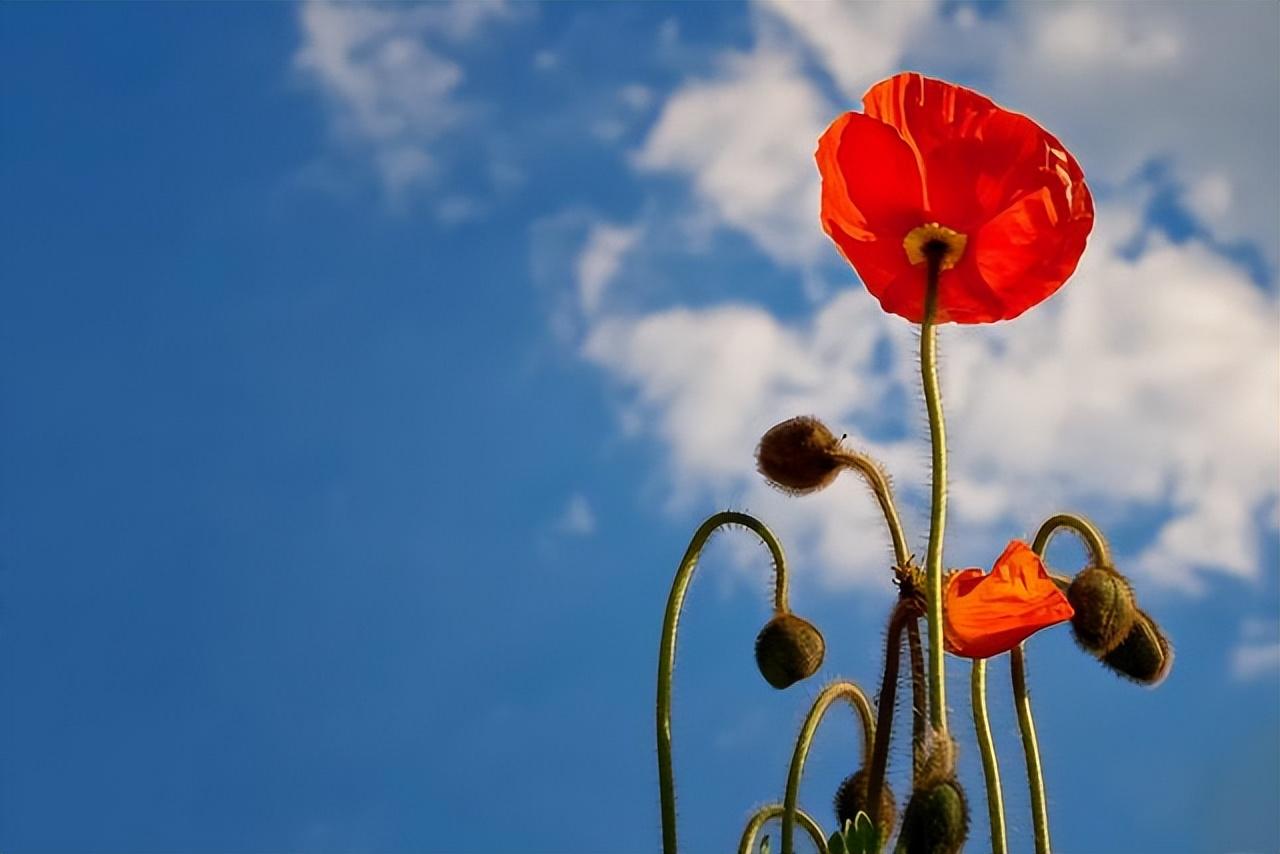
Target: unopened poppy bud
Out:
[799,456]
[851,799]
[1145,655]
[936,820]
[789,649]
[1103,602]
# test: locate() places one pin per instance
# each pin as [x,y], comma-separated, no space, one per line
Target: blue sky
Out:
[364,371]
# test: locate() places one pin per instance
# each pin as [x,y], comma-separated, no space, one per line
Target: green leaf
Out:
[765,847]
[835,845]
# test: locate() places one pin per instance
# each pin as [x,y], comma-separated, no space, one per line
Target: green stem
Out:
[919,698]
[904,613]
[879,483]
[835,691]
[938,507]
[1099,550]
[1030,748]
[771,811]
[987,747]
[667,652]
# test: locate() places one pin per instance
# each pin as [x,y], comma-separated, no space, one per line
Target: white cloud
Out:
[745,140]
[598,264]
[1257,654]
[387,75]
[577,519]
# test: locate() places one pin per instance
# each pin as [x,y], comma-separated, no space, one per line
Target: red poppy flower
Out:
[987,614]
[931,161]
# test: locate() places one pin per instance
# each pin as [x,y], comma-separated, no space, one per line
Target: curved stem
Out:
[1031,748]
[987,747]
[938,507]
[761,816]
[667,651]
[879,483]
[919,698]
[1099,550]
[904,613]
[835,691]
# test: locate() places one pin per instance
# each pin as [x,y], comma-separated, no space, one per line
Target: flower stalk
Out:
[1030,749]
[835,691]
[938,508]
[667,650]
[987,749]
[747,845]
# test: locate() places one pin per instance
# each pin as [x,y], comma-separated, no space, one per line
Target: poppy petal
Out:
[986,615]
[871,194]
[925,111]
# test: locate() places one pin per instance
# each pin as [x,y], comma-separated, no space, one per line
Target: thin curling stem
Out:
[667,652]
[938,507]
[835,691]
[1031,748]
[771,811]
[904,613]
[875,478]
[1099,550]
[987,747]
[919,697]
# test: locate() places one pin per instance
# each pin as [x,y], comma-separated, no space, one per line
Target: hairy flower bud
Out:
[1103,602]
[851,799]
[1145,655]
[936,820]
[789,649]
[798,456]
[938,758]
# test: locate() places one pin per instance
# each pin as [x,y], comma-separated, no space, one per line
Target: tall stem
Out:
[835,691]
[938,508]
[904,613]
[761,816]
[879,484]
[987,747]
[1030,748]
[667,651]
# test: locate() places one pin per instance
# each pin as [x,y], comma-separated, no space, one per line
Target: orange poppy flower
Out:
[987,614]
[931,161]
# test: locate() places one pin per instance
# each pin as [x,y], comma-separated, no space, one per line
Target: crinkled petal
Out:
[986,615]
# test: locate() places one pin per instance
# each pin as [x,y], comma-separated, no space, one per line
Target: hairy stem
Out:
[938,507]
[1099,550]
[987,747]
[760,817]
[879,483]
[1030,748]
[903,614]
[835,691]
[667,651]
[919,697]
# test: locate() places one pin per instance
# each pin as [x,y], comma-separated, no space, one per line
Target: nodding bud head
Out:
[1103,602]
[799,456]
[789,649]
[936,820]
[1145,655]
[851,799]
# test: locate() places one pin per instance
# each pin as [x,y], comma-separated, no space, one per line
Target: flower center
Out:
[933,240]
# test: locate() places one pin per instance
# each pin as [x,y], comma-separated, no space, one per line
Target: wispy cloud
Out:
[1257,655]
[578,519]
[389,78]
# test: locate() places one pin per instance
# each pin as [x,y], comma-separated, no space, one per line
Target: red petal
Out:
[991,614]
[871,195]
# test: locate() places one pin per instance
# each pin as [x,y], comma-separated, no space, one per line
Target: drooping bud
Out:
[789,649]
[799,456]
[1145,655]
[851,799]
[936,820]
[1103,602]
